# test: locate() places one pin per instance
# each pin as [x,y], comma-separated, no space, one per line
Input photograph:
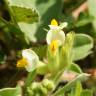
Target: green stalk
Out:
[30,78]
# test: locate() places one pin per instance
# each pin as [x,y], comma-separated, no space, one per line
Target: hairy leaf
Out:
[82,46]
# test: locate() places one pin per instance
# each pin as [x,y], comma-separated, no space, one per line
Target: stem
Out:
[56,78]
[30,78]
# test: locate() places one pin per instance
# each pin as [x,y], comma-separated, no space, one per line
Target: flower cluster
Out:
[55,38]
[40,88]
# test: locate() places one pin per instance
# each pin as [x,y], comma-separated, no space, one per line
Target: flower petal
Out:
[32,59]
[53,27]
[63,25]
[58,35]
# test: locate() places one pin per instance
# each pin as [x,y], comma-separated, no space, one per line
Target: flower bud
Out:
[30,92]
[34,85]
[48,84]
[43,89]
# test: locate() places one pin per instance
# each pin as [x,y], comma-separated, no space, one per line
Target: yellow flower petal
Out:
[54,22]
[54,45]
[22,62]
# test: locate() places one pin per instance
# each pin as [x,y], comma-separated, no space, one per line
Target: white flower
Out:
[56,33]
[29,60]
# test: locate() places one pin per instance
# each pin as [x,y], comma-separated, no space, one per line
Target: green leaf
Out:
[29,31]
[92,11]
[78,89]
[23,11]
[84,22]
[67,87]
[87,92]
[11,91]
[74,67]
[24,14]
[82,46]
[84,19]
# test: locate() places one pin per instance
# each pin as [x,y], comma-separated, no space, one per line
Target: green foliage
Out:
[9,34]
[10,91]
[24,15]
[35,31]
[74,67]
[62,58]
[23,12]
[92,12]
[12,36]
[82,46]
[84,19]
[87,92]
[68,86]
[76,90]
[79,91]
